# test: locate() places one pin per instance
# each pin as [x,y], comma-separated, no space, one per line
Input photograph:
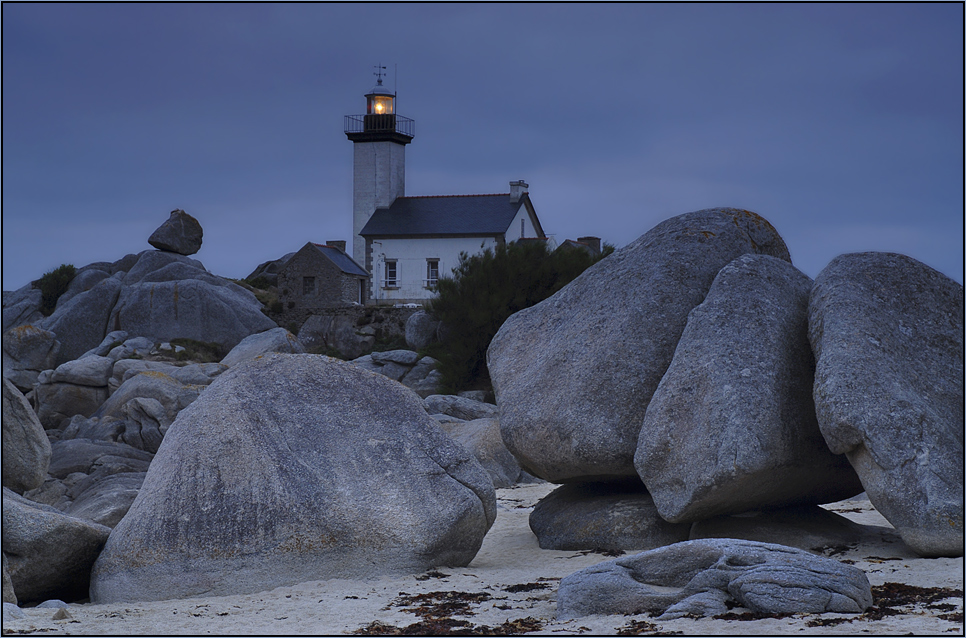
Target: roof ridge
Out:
[441,196]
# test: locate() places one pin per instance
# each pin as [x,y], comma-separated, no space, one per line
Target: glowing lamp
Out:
[379,102]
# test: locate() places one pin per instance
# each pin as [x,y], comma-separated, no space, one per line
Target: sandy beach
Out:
[510,589]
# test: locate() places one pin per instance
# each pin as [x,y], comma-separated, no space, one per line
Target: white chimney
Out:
[517,190]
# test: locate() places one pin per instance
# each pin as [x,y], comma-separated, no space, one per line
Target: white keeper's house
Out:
[406,243]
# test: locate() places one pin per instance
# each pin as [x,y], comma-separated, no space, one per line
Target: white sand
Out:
[509,556]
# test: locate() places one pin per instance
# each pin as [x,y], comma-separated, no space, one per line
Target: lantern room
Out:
[379,101]
[380,122]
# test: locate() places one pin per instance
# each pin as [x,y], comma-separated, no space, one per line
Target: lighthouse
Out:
[379,160]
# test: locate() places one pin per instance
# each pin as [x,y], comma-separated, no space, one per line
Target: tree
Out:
[484,290]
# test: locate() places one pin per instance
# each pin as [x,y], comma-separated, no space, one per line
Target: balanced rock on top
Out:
[291,468]
[181,234]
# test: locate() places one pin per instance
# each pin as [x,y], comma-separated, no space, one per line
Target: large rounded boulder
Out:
[168,296]
[573,375]
[887,332]
[291,468]
[732,426]
[49,553]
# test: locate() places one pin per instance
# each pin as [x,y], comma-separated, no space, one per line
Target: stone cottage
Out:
[321,276]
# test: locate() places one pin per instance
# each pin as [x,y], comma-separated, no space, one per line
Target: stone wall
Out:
[351,331]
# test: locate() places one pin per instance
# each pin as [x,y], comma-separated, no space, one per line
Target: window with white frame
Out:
[432,272]
[390,280]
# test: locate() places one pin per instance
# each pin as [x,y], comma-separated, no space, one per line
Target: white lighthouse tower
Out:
[379,160]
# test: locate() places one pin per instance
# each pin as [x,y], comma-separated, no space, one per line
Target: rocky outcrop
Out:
[887,332]
[105,496]
[28,351]
[460,407]
[353,331]
[84,456]
[9,596]
[417,373]
[82,322]
[274,340]
[74,387]
[49,554]
[268,271]
[337,334]
[181,234]
[134,347]
[146,403]
[167,296]
[354,479]
[156,294]
[91,371]
[423,379]
[85,279]
[602,516]
[191,374]
[58,402]
[21,306]
[108,344]
[482,438]
[574,374]
[26,449]
[421,330]
[93,480]
[708,577]
[731,427]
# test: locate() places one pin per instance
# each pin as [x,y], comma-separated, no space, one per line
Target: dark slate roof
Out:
[345,263]
[444,215]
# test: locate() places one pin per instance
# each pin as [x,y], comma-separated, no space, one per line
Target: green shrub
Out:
[487,288]
[260,282]
[52,285]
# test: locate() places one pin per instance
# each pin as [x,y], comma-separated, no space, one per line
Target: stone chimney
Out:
[336,244]
[517,190]
[593,242]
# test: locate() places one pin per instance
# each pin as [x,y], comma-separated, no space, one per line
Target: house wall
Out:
[332,286]
[411,256]
[351,291]
[378,178]
[513,232]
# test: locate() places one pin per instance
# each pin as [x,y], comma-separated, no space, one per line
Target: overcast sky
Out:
[840,124]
